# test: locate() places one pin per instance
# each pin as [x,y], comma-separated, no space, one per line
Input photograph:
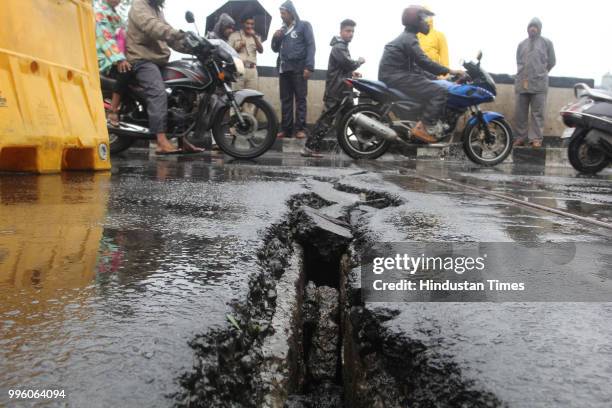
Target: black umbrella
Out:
[238,9]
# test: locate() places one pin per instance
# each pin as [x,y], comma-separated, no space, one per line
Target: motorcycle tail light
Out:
[349,83]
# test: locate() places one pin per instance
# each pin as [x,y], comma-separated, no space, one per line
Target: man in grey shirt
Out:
[535,57]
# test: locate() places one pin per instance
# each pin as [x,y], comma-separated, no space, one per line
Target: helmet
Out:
[414,17]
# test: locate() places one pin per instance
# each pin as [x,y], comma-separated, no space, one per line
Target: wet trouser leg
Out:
[293,92]
[150,79]
[122,80]
[431,95]
[323,125]
[330,103]
[521,115]
[538,111]
[526,128]
[287,95]
[301,94]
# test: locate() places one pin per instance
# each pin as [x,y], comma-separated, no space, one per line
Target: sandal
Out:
[519,142]
[536,144]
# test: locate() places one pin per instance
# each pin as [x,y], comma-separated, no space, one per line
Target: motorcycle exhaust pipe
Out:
[374,126]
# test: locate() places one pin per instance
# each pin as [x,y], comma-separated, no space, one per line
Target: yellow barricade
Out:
[51,110]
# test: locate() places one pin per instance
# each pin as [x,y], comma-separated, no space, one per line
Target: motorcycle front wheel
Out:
[488,152]
[118,143]
[251,139]
[583,157]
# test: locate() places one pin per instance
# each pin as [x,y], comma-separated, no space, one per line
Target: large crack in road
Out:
[303,337]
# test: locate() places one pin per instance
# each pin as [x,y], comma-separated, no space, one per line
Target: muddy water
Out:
[104,279]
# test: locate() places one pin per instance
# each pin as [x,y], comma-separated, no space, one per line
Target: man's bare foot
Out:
[536,144]
[166,148]
[188,147]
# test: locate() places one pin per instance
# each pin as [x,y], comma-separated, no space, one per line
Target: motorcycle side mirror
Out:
[479,56]
[189,17]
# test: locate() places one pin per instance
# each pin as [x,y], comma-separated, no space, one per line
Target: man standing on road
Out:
[535,57]
[295,44]
[340,67]
[248,44]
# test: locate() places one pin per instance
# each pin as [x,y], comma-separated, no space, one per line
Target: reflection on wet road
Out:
[559,188]
[104,279]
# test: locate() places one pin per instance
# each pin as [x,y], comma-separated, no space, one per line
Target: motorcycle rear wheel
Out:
[358,143]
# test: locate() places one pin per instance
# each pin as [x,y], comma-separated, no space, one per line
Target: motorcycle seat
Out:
[395,92]
[600,95]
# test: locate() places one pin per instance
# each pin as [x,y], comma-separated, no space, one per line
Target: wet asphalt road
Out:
[104,279]
[527,354]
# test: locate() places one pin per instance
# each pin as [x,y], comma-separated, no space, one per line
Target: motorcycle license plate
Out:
[567,133]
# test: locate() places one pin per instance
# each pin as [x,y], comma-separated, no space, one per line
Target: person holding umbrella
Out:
[248,44]
[295,44]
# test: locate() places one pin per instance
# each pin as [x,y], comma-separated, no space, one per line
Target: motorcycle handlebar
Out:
[461,79]
[197,43]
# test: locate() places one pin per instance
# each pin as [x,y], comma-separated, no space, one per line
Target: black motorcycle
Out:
[201,99]
[589,122]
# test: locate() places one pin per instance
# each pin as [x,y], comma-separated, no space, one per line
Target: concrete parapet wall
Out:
[561,92]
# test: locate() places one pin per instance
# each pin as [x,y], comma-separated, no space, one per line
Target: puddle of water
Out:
[104,279]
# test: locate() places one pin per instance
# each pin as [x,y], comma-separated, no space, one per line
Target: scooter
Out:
[388,115]
[589,133]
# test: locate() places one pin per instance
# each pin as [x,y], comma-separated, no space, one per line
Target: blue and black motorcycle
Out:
[385,115]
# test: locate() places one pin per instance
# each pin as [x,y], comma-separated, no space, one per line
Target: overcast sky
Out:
[581,31]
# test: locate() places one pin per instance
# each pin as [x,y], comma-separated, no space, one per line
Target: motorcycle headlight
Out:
[239,64]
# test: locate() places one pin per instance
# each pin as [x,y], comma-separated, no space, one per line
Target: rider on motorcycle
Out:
[402,67]
[147,51]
